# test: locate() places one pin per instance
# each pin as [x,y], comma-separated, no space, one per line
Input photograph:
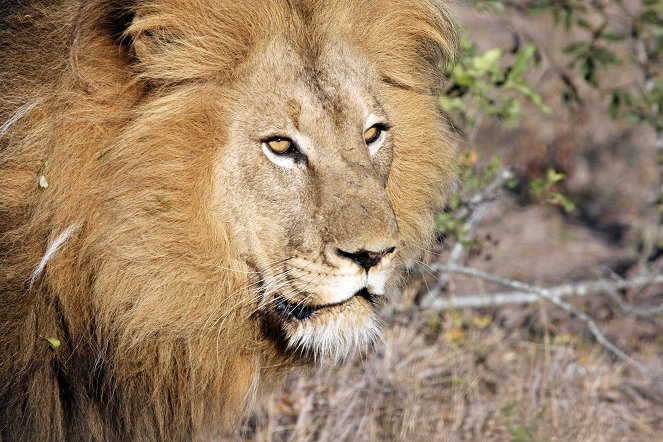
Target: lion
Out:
[199,196]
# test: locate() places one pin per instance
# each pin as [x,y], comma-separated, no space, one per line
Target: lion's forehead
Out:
[323,104]
[337,82]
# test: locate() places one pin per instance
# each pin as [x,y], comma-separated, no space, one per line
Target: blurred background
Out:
[537,315]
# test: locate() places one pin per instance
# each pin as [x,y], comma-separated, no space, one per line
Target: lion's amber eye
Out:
[372,134]
[283,152]
[279,145]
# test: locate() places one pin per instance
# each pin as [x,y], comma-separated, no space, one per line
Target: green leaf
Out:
[584,24]
[537,187]
[522,60]
[512,183]
[450,104]
[558,199]
[483,5]
[55,343]
[574,47]
[588,71]
[532,96]
[634,117]
[521,433]
[612,36]
[568,19]
[163,199]
[618,99]
[604,56]
[554,177]
[512,110]
[567,205]
[462,78]
[651,17]
[486,62]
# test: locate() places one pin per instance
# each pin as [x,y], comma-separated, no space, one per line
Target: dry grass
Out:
[464,377]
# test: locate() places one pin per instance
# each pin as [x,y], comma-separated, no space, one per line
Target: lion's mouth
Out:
[301,311]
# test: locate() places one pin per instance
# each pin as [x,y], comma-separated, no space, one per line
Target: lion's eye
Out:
[372,134]
[280,145]
[374,137]
[283,152]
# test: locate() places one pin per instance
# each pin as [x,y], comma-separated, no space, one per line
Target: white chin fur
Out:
[334,337]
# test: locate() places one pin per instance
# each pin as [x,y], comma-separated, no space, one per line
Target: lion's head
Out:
[231,186]
[310,147]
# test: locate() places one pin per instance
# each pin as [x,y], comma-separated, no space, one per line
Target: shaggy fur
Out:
[151,253]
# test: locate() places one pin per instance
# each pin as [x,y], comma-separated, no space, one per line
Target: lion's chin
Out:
[301,311]
[331,332]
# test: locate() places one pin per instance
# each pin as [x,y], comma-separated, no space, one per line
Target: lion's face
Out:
[306,163]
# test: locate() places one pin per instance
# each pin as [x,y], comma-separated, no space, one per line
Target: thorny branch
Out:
[475,209]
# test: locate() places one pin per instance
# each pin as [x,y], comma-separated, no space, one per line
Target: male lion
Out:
[196,195]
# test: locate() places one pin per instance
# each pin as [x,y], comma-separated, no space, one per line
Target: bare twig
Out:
[474,210]
[554,298]
[625,307]
[483,198]
[487,194]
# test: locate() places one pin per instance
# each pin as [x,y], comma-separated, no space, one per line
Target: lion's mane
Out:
[106,242]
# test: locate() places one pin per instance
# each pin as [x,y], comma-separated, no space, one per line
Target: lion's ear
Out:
[103,23]
[106,18]
[138,27]
[120,15]
[166,41]
[412,42]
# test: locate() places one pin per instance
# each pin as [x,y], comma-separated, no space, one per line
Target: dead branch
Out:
[473,212]
[579,289]
[476,208]
[553,296]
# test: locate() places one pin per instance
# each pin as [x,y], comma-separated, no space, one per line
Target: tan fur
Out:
[166,236]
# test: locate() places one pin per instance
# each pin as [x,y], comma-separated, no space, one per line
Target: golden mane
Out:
[113,252]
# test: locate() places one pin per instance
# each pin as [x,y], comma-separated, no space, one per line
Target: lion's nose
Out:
[366,258]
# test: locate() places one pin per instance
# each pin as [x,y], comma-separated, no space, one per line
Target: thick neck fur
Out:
[151,349]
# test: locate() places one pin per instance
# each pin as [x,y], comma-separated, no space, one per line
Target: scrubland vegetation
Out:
[538,316]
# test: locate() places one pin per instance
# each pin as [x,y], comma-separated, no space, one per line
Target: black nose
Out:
[365,258]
